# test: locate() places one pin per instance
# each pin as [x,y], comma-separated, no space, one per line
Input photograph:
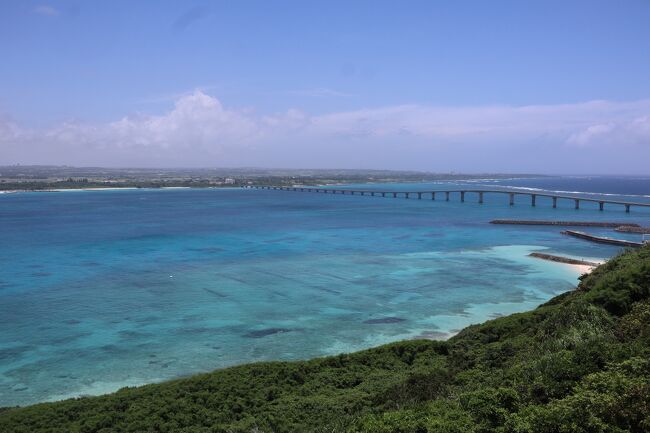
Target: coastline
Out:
[111,188]
[505,342]
[486,310]
[435,327]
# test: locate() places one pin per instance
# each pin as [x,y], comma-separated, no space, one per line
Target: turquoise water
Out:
[100,290]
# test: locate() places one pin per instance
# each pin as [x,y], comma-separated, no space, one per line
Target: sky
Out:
[465,86]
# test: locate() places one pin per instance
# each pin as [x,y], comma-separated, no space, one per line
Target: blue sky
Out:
[284,83]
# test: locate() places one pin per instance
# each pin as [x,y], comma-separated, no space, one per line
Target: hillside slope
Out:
[579,363]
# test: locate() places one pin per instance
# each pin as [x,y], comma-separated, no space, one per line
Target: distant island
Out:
[578,363]
[41,178]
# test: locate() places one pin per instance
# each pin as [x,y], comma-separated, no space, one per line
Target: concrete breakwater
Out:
[602,240]
[562,259]
[564,223]
[629,228]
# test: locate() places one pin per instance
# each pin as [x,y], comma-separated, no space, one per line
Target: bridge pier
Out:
[480,192]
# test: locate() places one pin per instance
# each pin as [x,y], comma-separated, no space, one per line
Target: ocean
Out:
[105,289]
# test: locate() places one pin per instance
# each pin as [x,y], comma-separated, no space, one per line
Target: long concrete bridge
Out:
[461,193]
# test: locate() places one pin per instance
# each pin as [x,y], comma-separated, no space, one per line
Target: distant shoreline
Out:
[118,188]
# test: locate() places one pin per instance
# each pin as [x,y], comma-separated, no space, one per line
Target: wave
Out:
[571,192]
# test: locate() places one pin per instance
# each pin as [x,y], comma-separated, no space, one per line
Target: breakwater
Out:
[561,259]
[564,223]
[601,239]
[630,228]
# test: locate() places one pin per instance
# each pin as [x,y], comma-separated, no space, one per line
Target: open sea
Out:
[105,289]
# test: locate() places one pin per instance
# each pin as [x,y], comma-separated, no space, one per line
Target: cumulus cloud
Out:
[200,131]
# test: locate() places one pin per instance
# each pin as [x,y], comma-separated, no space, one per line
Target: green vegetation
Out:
[579,363]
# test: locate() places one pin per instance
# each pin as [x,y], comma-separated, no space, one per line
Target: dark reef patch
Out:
[14,352]
[384,320]
[215,293]
[209,250]
[266,332]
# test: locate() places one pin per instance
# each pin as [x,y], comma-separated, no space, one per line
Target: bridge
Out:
[461,193]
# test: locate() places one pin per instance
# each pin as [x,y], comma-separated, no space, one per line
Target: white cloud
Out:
[628,133]
[46,10]
[200,131]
